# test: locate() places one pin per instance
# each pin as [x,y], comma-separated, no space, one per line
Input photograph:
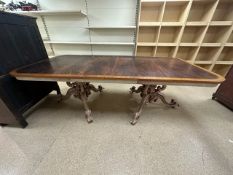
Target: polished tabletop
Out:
[123,68]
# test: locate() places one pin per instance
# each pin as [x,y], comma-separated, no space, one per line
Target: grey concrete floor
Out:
[196,138]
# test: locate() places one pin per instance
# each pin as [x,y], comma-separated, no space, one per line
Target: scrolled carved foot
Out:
[60,98]
[135,119]
[173,103]
[88,116]
[132,90]
[100,88]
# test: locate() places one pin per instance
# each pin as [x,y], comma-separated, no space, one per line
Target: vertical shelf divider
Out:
[186,13]
[160,25]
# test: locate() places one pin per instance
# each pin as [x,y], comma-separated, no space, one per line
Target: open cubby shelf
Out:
[198,31]
[192,34]
[186,53]
[145,51]
[164,51]
[201,11]
[151,11]
[174,11]
[230,39]
[205,66]
[206,53]
[221,69]
[226,54]
[169,34]
[216,34]
[224,11]
[148,34]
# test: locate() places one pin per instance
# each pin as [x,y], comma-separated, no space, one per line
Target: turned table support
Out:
[150,94]
[82,90]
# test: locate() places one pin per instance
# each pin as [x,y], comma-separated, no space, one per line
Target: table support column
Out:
[82,90]
[150,94]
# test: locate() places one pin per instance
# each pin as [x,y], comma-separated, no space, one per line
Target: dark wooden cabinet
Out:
[224,93]
[20,44]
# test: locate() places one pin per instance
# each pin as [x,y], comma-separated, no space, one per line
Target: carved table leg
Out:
[150,94]
[82,90]
[143,101]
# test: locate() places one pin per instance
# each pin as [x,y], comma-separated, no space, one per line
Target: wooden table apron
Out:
[153,73]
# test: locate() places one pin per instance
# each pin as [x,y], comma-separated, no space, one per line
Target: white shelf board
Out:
[149,24]
[189,44]
[197,23]
[89,43]
[221,23]
[145,1]
[211,44]
[167,44]
[111,27]
[229,44]
[146,44]
[171,23]
[203,62]
[224,62]
[50,12]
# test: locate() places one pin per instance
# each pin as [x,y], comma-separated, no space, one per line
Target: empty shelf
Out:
[221,69]
[216,34]
[151,12]
[148,34]
[226,54]
[169,34]
[145,51]
[186,53]
[201,11]
[207,53]
[174,11]
[192,34]
[165,51]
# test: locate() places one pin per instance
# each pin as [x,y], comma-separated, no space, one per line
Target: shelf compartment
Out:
[204,66]
[148,34]
[224,11]
[186,53]
[151,11]
[216,34]
[207,53]
[169,34]
[192,34]
[230,39]
[145,51]
[221,69]
[174,11]
[226,54]
[201,11]
[165,51]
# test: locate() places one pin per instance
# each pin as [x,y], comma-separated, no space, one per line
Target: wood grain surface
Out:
[124,68]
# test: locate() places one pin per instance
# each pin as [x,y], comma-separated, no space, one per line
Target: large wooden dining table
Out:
[152,73]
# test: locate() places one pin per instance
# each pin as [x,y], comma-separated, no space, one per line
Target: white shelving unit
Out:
[198,31]
[86,27]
